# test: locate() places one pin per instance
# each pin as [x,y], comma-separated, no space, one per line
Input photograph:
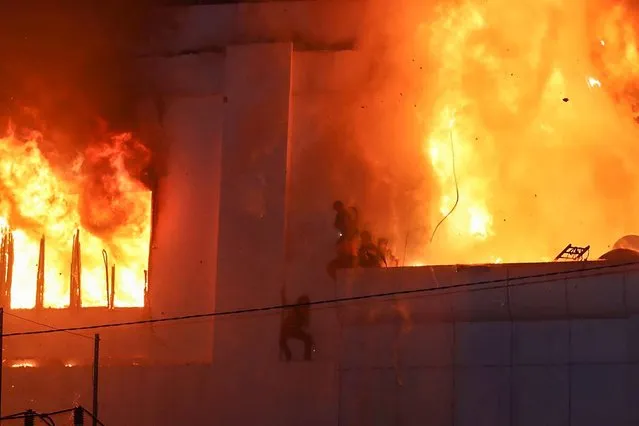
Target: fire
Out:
[38,201]
[25,363]
[593,82]
[531,129]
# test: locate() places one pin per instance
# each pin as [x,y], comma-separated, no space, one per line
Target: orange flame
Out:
[532,119]
[25,363]
[113,214]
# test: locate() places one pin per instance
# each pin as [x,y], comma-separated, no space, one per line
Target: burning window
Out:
[73,233]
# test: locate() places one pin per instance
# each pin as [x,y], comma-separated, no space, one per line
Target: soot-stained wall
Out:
[149,375]
[184,251]
[536,344]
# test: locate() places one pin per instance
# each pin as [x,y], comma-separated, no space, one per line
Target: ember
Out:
[54,219]
[533,122]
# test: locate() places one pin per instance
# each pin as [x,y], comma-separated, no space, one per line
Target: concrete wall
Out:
[469,367]
[575,372]
[483,360]
[308,24]
[243,211]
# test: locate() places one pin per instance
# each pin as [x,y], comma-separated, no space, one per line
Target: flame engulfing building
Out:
[240,95]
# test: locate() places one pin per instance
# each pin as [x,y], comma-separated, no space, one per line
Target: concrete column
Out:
[183,257]
[251,262]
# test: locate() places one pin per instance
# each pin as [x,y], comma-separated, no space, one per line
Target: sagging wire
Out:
[46,325]
[464,287]
[452,151]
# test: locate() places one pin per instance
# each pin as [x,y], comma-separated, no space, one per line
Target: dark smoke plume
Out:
[365,143]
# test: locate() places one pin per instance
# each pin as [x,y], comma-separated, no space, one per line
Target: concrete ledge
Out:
[307,24]
[596,295]
[487,300]
[490,292]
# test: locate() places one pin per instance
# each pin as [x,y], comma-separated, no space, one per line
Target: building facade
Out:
[248,90]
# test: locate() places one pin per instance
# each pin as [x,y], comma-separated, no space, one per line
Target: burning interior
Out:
[531,127]
[73,235]
[75,201]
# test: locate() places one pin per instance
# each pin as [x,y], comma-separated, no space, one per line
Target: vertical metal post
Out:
[105,257]
[3,266]
[111,294]
[75,293]
[78,416]
[147,298]
[29,418]
[96,363]
[40,276]
[9,279]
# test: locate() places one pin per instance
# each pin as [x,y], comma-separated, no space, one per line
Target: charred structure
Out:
[69,92]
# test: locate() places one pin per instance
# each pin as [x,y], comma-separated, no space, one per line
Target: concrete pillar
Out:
[251,247]
[251,262]
[183,256]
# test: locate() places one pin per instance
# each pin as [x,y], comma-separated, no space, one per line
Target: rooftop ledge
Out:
[499,292]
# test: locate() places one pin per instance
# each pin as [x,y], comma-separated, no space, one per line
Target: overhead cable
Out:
[442,290]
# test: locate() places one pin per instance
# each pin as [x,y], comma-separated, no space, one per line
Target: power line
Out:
[442,290]
[47,325]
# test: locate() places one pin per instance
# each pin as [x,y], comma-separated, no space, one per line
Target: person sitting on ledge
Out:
[345,222]
[388,258]
[368,253]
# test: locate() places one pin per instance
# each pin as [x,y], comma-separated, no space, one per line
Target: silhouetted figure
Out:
[368,254]
[346,258]
[387,257]
[346,251]
[345,221]
[294,325]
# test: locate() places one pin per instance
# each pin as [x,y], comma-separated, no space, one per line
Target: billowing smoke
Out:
[388,124]
[365,143]
[525,112]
